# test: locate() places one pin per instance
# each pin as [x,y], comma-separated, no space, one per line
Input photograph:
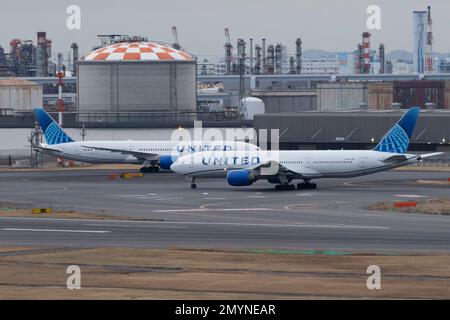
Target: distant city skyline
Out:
[328,25]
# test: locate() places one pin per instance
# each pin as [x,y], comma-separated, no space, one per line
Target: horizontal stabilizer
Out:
[429,155]
[48,148]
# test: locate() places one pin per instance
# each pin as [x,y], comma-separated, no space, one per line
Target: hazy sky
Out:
[334,25]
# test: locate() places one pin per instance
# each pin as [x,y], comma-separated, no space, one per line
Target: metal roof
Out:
[138,51]
[16,82]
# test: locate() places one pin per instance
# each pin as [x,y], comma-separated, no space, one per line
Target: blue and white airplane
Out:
[151,154]
[282,167]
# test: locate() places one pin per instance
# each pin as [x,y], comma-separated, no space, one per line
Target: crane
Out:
[176,44]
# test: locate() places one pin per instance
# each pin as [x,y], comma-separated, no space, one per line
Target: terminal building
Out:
[352,130]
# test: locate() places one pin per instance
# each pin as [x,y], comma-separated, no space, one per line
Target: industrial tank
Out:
[137,77]
[253,106]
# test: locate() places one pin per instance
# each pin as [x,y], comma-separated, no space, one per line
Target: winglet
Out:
[397,139]
[53,133]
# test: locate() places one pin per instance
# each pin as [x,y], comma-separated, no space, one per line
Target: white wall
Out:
[20,98]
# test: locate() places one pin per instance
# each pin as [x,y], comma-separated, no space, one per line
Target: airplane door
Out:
[363,162]
[308,162]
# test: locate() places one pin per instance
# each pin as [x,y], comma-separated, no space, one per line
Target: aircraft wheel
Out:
[193,186]
[313,186]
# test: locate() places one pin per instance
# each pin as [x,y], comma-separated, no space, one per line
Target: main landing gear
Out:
[149,169]
[306,185]
[193,185]
[302,186]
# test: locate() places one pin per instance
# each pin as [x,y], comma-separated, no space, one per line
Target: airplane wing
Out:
[48,148]
[274,168]
[271,168]
[137,154]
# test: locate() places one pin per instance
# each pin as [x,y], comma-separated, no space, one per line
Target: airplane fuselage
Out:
[88,151]
[300,164]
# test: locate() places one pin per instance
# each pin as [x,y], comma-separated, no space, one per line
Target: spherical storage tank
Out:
[253,106]
[137,77]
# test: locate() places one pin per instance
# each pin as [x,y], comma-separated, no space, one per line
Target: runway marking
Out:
[215,198]
[409,196]
[257,196]
[55,230]
[208,209]
[342,226]
[306,206]
[133,225]
[306,194]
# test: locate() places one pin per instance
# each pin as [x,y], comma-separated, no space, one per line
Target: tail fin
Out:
[53,133]
[397,139]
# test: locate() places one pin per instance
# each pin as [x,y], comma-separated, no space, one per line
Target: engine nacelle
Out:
[239,178]
[166,161]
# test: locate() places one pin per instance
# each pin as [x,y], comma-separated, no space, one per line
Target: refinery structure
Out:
[131,81]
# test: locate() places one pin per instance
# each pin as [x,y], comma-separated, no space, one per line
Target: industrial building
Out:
[136,77]
[301,92]
[19,95]
[353,130]
[26,59]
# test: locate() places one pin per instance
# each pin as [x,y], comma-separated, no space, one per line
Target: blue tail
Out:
[397,139]
[53,133]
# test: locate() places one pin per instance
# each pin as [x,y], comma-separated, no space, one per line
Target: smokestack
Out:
[298,54]
[264,60]
[382,59]
[270,59]
[241,55]
[74,47]
[366,46]
[258,59]
[251,56]
[278,63]
[228,48]
[59,66]
[41,55]
[291,65]
[429,65]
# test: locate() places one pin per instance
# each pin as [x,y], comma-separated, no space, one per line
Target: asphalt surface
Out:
[216,215]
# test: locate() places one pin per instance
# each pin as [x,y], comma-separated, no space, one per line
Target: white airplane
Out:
[151,154]
[282,167]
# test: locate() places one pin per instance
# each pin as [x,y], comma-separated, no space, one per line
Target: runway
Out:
[215,215]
